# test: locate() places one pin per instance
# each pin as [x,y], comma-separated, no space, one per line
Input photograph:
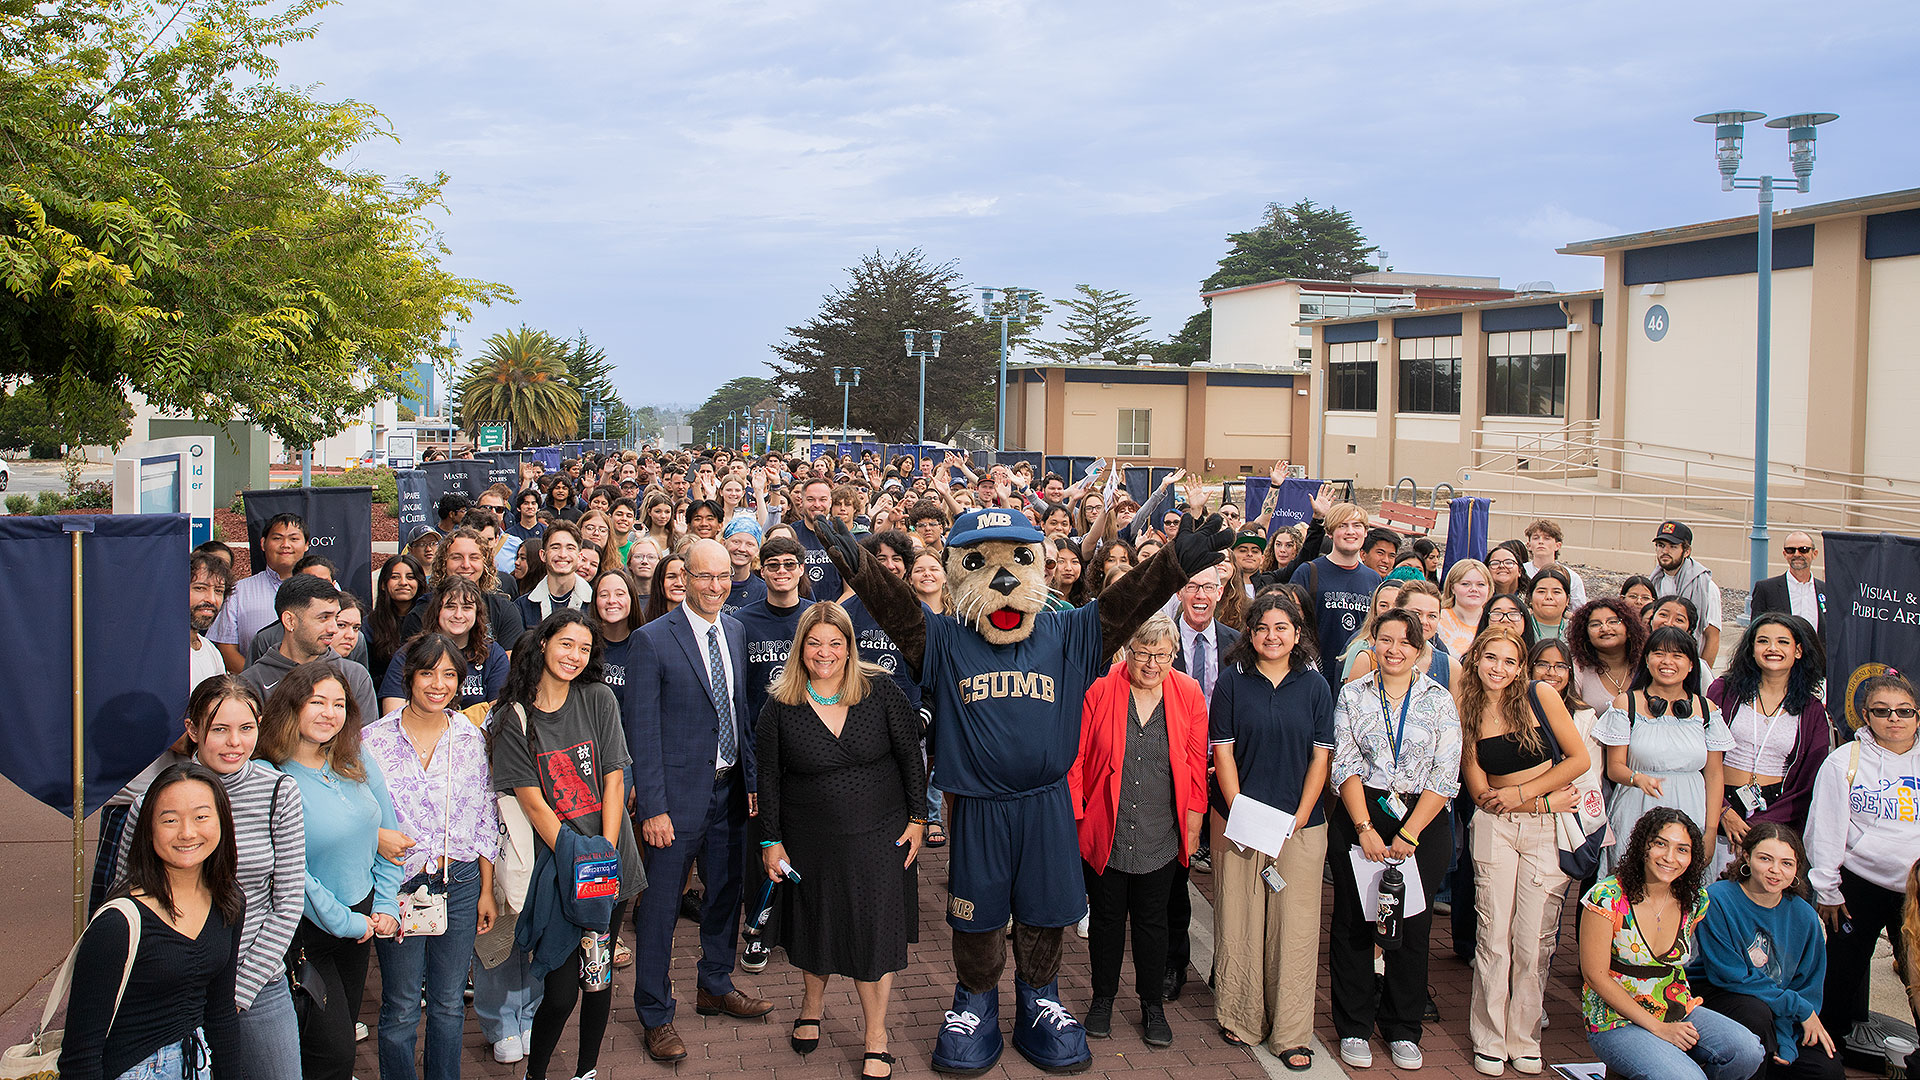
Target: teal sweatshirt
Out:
[1776,954]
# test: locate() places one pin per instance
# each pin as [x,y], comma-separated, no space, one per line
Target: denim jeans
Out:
[439,964]
[170,1063]
[266,1036]
[1726,1051]
[934,798]
[506,997]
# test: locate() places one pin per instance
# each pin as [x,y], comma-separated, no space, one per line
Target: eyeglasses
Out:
[1883,712]
[1605,624]
[781,565]
[1552,665]
[709,579]
[1797,550]
[1505,615]
[1502,564]
[1196,587]
[1154,659]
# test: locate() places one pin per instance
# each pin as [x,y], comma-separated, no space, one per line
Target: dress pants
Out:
[1516,865]
[1179,921]
[1266,945]
[1362,1000]
[1114,898]
[717,840]
[1870,910]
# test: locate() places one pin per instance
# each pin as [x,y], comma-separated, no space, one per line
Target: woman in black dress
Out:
[841,783]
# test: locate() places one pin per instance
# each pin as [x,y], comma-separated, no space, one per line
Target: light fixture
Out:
[1729,128]
[1800,135]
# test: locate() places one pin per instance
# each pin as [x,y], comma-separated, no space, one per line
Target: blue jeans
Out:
[934,798]
[506,997]
[266,1036]
[170,1063]
[439,964]
[1726,1051]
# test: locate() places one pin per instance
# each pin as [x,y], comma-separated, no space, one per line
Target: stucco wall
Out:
[1893,374]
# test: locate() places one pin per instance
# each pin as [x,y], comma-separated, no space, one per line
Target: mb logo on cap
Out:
[995,520]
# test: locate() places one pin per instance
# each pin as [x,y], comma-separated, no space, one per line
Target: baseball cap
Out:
[1674,531]
[1251,536]
[421,532]
[993,523]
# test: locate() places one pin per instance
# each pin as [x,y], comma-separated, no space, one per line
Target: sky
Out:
[685,181]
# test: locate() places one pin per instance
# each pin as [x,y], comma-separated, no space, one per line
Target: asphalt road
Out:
[30,477]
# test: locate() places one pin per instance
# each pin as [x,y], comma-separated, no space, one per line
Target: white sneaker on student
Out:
[1085,922]
[1356,1053]
[1406,1055]
[508,1050]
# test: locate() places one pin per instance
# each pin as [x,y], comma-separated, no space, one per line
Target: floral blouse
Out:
[1658,983]
[1428,755]
[470,828]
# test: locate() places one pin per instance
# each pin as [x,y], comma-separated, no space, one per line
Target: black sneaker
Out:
[1201,861]
[754,956]
[1099,1018]
[1153,1025]
[690,902]
[1173,985]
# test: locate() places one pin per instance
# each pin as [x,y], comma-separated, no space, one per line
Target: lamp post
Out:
[922,355]
[1729,129]
[846,385]
[1019,298]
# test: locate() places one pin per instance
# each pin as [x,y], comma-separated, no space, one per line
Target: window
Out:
[1353,376]
[1430,375]
[1136,429]
[1527,373]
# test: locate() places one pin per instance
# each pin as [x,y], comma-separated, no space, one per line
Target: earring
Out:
[1745,871]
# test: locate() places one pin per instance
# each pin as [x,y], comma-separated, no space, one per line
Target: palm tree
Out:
[521,379]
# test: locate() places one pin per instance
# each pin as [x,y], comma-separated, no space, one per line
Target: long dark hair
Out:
[657,603]
[1519,600]
[220,872]
[1737,870]
[530,663]
[1580,643]
[424,653]
[280,720]
[1632,862]
[383,622]
[1305,652]
[1569,696]
[479,637]
[1743,673]
[1669,639]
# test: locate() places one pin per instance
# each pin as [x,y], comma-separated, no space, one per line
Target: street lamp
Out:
[1729,130]
[1019,298]
[846,386]
[922,356]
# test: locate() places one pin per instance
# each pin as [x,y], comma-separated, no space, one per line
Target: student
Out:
[210,579]
[563,585]
[1638,591]
[1544,540]
[402,579]
[1606,637]
[1547,593]
[309,607]
[526,523]
[250,606]
[1463,597]
[458,612]
[741,536]
[1680,574]
[178,1007]
[1339,583]
[1636,929]
[1505,567]
[1780,729]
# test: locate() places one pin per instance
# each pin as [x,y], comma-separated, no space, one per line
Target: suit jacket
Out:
[1770,594]
[1224,637]
[673,729]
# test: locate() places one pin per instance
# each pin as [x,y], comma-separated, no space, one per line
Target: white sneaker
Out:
[590,1074]
[1528,1065]
[508,1050]
[1486,1065]
[1406,1055]
[359,1032]
[1085,922]
[1356,1053]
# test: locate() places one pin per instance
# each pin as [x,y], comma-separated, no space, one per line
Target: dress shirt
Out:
[1803,599]
[468,829]
[1211,675]
[701,624]
[1429,757]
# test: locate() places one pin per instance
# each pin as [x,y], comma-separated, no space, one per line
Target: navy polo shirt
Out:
[1274,730]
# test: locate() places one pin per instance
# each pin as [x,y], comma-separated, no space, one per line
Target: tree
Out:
[33,421]
[520,380]
[860,324]
[591,373]
[1193,342]
[733,396]
[1103,325]
[173,223]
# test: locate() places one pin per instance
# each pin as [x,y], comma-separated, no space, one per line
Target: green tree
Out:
[860,324]
[733,396]
[175,223]
[1103,325]
[34,421]
[1193,342]
[521,380]
[592,375]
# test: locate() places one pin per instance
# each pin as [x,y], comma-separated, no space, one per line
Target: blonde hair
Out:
[1345,512]
[791,687]
[1157,628]
[1459,570]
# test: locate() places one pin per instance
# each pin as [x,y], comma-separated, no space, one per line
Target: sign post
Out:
[597,420]
[493,436]
[400,451]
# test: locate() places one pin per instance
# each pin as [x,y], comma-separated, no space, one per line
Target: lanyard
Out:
[1386,716]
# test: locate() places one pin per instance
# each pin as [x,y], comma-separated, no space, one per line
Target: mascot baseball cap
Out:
[979,526]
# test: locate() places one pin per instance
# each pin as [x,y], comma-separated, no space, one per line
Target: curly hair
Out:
[489,577]
[1631,866]
[1306,651]
[1581,643]
[1743,672]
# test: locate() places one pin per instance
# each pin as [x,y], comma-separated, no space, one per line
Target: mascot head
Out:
[997,572]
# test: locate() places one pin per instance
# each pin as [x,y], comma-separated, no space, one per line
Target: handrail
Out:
[1539,444]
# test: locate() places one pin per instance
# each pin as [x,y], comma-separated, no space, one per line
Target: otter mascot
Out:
[1008,679]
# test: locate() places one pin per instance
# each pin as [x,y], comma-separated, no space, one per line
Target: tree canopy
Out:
[734,395]
[520,380]
[591,373]
[1102,325]
[175,224]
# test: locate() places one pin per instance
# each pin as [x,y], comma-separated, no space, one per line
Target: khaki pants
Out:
[1516,862]
[1266,945]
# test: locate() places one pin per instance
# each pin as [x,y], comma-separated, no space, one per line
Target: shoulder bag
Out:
[423,912]
[1583,832]
[39,1057]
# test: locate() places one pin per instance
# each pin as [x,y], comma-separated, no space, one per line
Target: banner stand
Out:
[76,530]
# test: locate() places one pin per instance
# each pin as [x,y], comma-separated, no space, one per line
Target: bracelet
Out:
[1545,806]
[769,843]
[1411,840]
[1632,776]
[916,821]
[1364,826]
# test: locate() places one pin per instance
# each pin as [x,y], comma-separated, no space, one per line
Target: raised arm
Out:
[1132,600]
[888,599]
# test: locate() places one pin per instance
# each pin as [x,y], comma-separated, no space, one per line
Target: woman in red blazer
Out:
[1139,796]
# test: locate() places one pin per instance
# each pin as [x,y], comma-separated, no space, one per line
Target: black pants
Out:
[1360,999]
[1113,898]
[1179,922]
[326,1034]
[1462,886]
[1870,909]
[1812,1062]
[562,989]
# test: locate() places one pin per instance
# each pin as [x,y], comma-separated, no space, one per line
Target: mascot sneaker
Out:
[969,1041]
[1045,1033]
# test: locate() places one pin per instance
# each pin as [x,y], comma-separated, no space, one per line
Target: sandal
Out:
[802,1046]
[622,956]
[936,836]
[1231,1038]
[881,1056]
[1287,1056]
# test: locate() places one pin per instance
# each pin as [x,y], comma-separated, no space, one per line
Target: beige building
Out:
[1259,325]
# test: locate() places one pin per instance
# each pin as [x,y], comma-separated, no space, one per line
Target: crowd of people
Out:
[558,701]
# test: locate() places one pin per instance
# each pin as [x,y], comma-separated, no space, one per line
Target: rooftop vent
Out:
[1527,287]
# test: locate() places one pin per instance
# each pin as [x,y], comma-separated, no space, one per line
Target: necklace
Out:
[818,699]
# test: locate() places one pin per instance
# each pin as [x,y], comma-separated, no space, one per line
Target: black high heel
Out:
[879,1056]
[804,1046]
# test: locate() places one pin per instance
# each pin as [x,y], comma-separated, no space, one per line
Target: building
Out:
[1259,325]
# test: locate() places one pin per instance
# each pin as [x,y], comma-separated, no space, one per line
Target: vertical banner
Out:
[1141,480]
[1071,467]
[545,455]
[503,467]
[339,526]
[1294,504]
[1250,493]
[410,485]
[1873,615]
[134,584]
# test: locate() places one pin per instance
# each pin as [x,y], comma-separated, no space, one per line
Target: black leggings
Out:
[327,1036]
[563,986]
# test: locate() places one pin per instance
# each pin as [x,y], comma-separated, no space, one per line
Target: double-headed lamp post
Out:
[922,355]
[1019,297]
[1729,129]
[846,379]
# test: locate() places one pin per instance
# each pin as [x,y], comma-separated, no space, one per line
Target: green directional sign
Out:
[493,436]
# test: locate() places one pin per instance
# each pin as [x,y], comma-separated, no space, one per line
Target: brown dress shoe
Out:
[733,1003]
[663,1044]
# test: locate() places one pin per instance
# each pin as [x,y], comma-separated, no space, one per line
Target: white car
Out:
[6,476]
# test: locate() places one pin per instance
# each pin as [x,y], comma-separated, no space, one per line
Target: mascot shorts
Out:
[1018,856]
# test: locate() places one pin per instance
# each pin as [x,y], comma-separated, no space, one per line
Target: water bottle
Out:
[1393,900]
[596,961]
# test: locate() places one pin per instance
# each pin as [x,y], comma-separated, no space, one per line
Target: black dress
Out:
[838,805]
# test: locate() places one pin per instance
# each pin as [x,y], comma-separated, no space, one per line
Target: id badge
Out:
[1271,875]
[1395,805]
[1751,801]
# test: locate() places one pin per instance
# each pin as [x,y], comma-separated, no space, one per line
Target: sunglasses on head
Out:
[1657,707]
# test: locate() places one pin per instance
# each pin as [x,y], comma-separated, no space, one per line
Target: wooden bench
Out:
[1407,520]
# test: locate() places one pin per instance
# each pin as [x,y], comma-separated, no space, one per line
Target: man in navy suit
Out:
[694,787]
[1203,640]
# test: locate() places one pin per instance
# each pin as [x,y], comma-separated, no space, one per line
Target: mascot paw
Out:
[1201,544]
[842,548]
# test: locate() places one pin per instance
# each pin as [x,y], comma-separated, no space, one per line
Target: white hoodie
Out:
[1871,827]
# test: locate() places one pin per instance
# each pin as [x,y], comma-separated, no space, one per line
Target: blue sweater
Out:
[343,820]
[1776,954]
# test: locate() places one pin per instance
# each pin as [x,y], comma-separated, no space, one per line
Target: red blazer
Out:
[1094,778]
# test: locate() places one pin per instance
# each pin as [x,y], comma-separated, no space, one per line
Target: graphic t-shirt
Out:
[1658,983]
[768,632]
[481,683]
[822,577]
[1340,600]
[877,648]
[744,593]
[574,749]
[613,668]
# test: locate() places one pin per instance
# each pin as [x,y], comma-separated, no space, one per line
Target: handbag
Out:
[1583,832]
[39,1057]
[308,989]
[513,870]
[423,912]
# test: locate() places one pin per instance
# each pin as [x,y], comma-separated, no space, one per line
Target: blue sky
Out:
[685,181]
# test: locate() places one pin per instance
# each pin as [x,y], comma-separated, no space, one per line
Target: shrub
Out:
[380,480]
[92,495]
[19,504]
[50,502]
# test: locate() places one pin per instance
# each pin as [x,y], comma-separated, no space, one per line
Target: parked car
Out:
[6,476]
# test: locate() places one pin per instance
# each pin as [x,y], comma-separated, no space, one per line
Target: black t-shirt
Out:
[822,576]
[744,593]
[178,984]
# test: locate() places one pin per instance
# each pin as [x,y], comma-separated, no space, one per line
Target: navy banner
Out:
[420,489]
[503,467]
[1142,480]
[545,455]
[134,648]
[1873,615]
[339,526]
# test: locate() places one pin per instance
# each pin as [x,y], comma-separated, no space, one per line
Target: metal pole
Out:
[306,467]
[79,748]
[1000,433]
[846,389]
[923,400]
[1762,388]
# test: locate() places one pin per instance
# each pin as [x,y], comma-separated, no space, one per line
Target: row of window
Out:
[1533,385]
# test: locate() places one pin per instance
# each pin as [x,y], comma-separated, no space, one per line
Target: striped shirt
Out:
[272,871]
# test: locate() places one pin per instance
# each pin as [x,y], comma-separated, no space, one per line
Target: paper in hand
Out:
[1367,876]
[1254,824]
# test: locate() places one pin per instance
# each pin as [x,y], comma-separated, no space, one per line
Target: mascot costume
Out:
[1008,678]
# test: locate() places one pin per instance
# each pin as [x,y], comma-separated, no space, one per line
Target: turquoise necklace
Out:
[817,699]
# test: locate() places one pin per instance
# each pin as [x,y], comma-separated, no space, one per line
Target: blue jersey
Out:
[877,648]
[769,637]
[1009,715]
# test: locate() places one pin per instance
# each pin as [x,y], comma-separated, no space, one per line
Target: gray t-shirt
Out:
[578,746]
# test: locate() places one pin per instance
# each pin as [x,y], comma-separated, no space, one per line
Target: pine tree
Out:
[1103,325]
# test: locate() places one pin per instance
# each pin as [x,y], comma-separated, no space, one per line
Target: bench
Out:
[1407,520]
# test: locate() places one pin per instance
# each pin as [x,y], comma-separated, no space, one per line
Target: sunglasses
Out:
[1883,712]
[1792,550]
